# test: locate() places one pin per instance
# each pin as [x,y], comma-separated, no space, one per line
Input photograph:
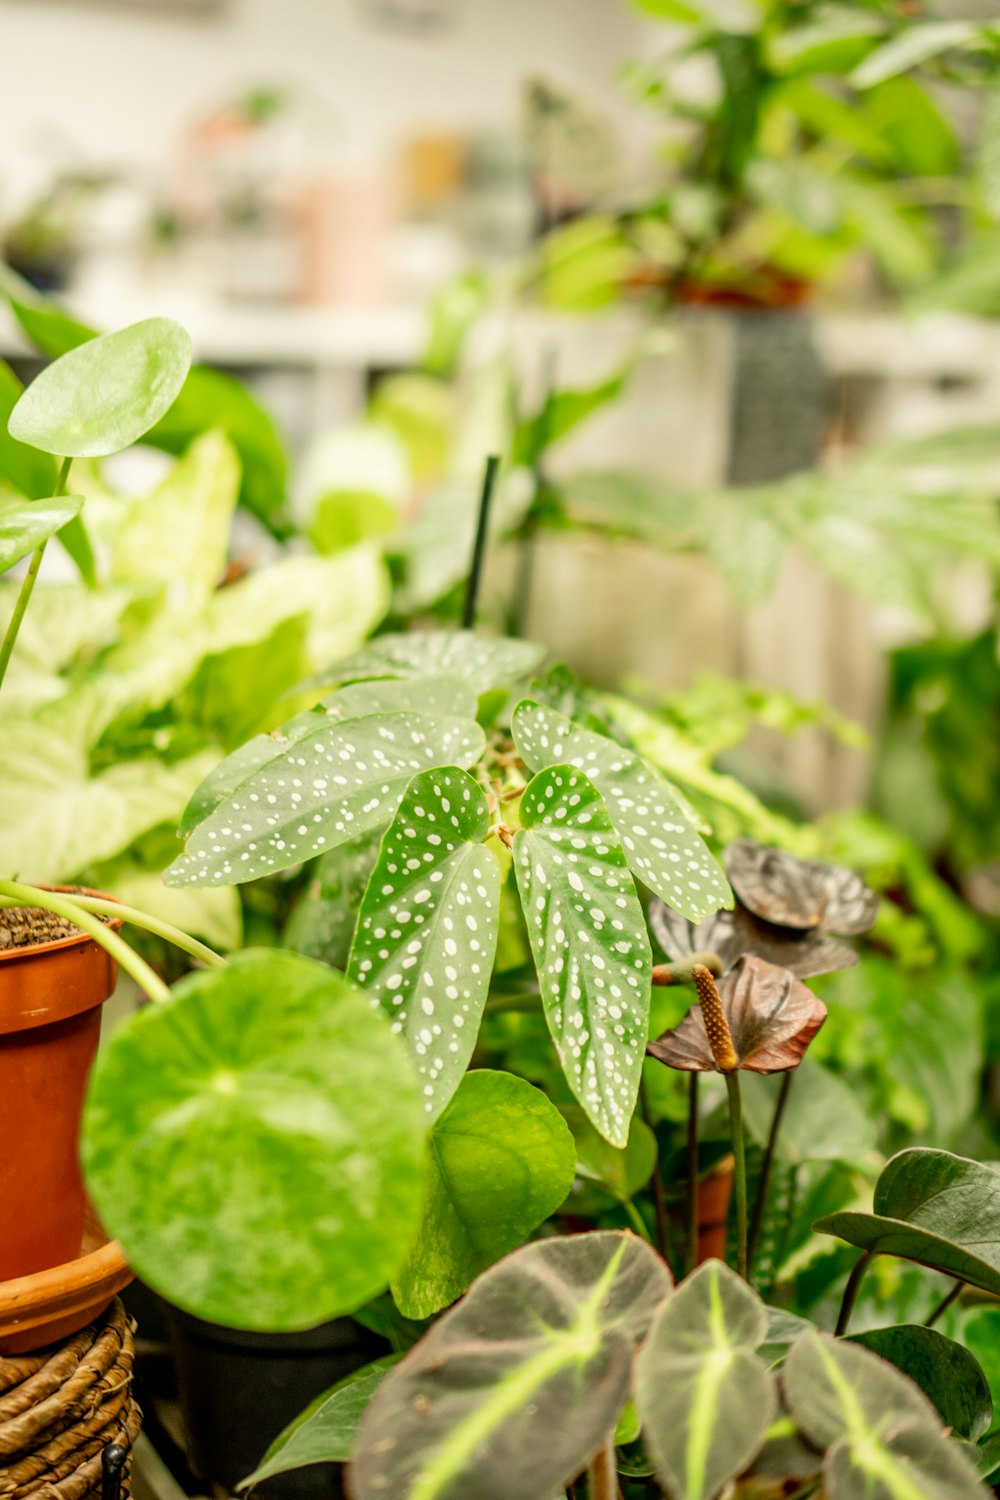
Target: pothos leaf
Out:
[336,782]
[427,929]
[660,845]
[484,661]
[589,943]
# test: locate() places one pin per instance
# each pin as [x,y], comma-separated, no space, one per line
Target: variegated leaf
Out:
[482,660]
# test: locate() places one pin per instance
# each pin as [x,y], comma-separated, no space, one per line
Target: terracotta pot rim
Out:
[85,1271]
[37,950]
[44,1306]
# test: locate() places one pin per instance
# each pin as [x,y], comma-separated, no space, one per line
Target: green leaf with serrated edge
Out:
[25,524]
[940,1210]
[588,939]
[322,924]
[337,781]
[705,1397]
[542,1343]
[239,1140]
[427,929]
[882,1437]
[946,1372]
[103,396]
[324,1433]
[500,1161]
[447,696]
[660,845]
[482,660]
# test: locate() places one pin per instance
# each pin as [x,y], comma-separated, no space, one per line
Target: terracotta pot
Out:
[714,1193]
[50,1022]
[55,1303]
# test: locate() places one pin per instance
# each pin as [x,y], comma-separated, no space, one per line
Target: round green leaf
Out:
[104,395]
[946,1372]
[25,524]
[255,1144]
[427,929]
[500,1161]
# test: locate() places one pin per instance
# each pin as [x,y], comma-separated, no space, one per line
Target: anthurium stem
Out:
[944,1304]
[681,970]
[740,1174]
[691,1200]
[21,605]
[64,906]
[136,918]
[851,1290]
[760,1203]
[479,545]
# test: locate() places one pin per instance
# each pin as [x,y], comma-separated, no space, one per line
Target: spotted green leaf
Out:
[661,846]
[25,524]
[106,394]
[882,1437]
[588,939]
[427,929]
[255,1142]
[500,1160]
[447,696]
[337,781]
[484,661]
[513,1391]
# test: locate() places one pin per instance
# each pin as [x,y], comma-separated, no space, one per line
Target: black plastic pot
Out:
[239,1390]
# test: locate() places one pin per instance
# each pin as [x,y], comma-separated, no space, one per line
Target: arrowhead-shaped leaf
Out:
[705,1396]
[542,1344]
[335,782]
[589,943]
[940,1210]
[660,845]
[255,1143]
[500,1160]
[481,660]
[427,929]
[25,524]
[883,1438]
[104,395]
[946,1372]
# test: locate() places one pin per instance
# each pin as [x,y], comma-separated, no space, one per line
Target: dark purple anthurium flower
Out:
[759,1017]
[729,934]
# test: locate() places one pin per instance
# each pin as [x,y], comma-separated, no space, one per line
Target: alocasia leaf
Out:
[589,943]
[705,1396]
[482,660]
[542,1343]
[500,1160]
[25,524]
[336,782]
[427,929]
[946,1372]
[661,846]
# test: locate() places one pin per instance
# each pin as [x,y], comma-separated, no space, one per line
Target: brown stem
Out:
[602,1476]
[851,1290]
[944,1304]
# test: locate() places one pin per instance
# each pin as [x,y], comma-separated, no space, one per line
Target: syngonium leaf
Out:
[940,1210]
[106,394]
[946,1372]
[705,1396]
[661,846]
[335,782]
[500,1161]
[589,943]
[26,524]
[237,1141]
[324,1433]
[426,933]
[882,1437]
[481,660]
[542,1343]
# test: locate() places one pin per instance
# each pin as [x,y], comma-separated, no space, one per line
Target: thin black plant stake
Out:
[764,1184]
[691,1202]
[479,545]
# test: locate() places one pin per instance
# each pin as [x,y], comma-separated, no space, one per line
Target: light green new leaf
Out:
[25,524]
[481,660]
[335,782]
[103,396]
[883,1438]
[322,924]
[940,1210]
[324,1433]
[588,939]
[661,846]
[500,1160]
[543,1342]
[946,1372]
[427,929]
[705,1397]
[236,1140]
